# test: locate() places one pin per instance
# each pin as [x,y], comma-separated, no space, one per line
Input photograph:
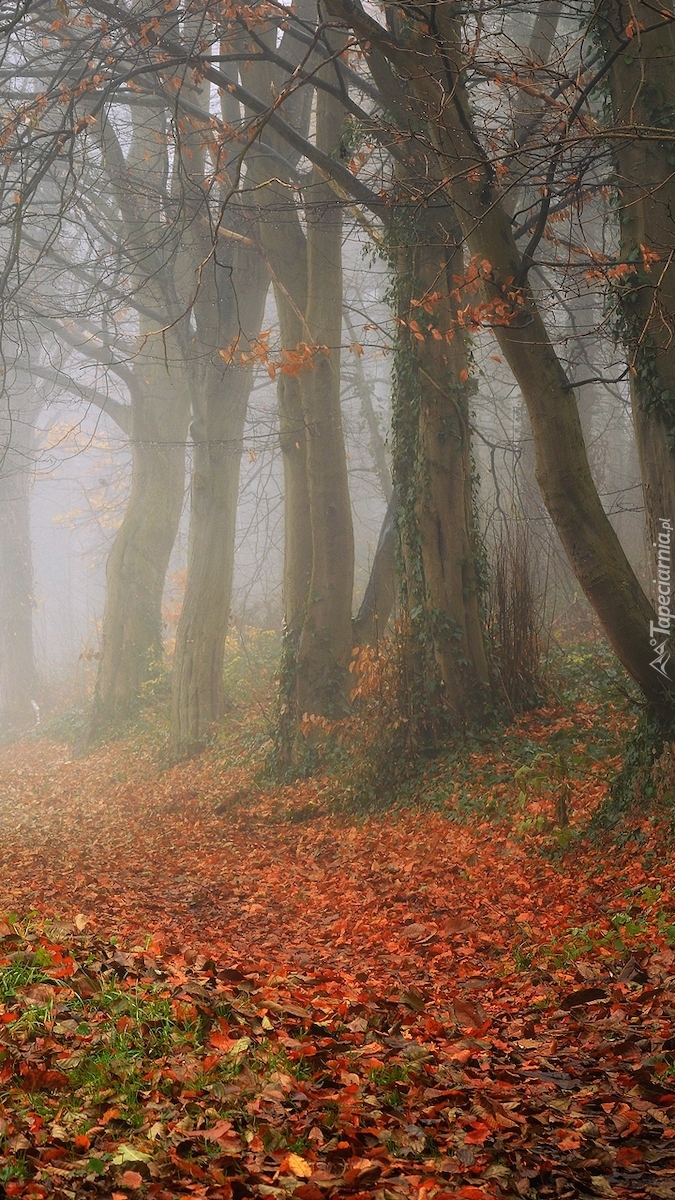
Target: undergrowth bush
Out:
[514,619]
[374,747]
[250,666]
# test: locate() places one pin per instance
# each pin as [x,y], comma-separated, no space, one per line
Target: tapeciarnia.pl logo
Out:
[659,631]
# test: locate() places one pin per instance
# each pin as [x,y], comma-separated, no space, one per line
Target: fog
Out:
[182,269]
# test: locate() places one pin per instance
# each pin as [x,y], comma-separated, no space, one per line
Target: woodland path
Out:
[515,1007]
[269,877]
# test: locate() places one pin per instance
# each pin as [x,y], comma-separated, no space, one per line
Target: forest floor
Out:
[210,988]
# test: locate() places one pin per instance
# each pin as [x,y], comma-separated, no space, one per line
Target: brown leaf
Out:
[230,974]
[583,996]
[469,1016]
[84,985]
[633,972]
[412,999]
[36,1079]
[38,993]
[294,1009]
[362,1172]
[413,933]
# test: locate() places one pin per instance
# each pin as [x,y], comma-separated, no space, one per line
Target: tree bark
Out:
[228,309]
[435,488]
[379,598]
[217,431]
[285,248]
[642,84]
[17,667]
[326,639]
[131,652]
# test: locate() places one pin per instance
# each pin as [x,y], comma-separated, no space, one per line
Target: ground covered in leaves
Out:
[213,989]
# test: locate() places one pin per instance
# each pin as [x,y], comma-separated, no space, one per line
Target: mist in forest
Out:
[264,368]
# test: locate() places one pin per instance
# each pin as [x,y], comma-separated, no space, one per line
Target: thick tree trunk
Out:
[437,523]
[642,81]
[326,640]
[131,650]
[219,409]
[446,526]
[565,479]
[285,248]
[217,430]
[17,669]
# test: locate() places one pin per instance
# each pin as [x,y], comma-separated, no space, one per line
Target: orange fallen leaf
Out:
[478,1134]
[131,1179]
[297,1166]
[220,1040]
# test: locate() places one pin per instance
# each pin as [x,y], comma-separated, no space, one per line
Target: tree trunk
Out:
[642,82]
[17,668]
[131,651]
[228,299]
[219,409]
[217,429]
[326,640]
[285,248]
[379,598]
[433,466]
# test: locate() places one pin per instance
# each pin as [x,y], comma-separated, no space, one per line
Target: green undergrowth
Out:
[250,666]
[617,939]
[114,1060]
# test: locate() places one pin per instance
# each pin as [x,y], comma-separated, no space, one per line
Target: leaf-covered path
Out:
[400,1006]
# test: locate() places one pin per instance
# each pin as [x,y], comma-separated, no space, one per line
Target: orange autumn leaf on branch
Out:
[289,362]
[648,257]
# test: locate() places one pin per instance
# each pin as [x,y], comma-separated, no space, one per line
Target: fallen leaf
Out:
[297,1166]
[127,1153]
[36,1079]
[478,1134]
[39,993]
[583,996]
[469,1016]
[130,1179]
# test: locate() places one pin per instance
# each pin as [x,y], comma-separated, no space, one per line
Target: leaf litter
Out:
[221,1000]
